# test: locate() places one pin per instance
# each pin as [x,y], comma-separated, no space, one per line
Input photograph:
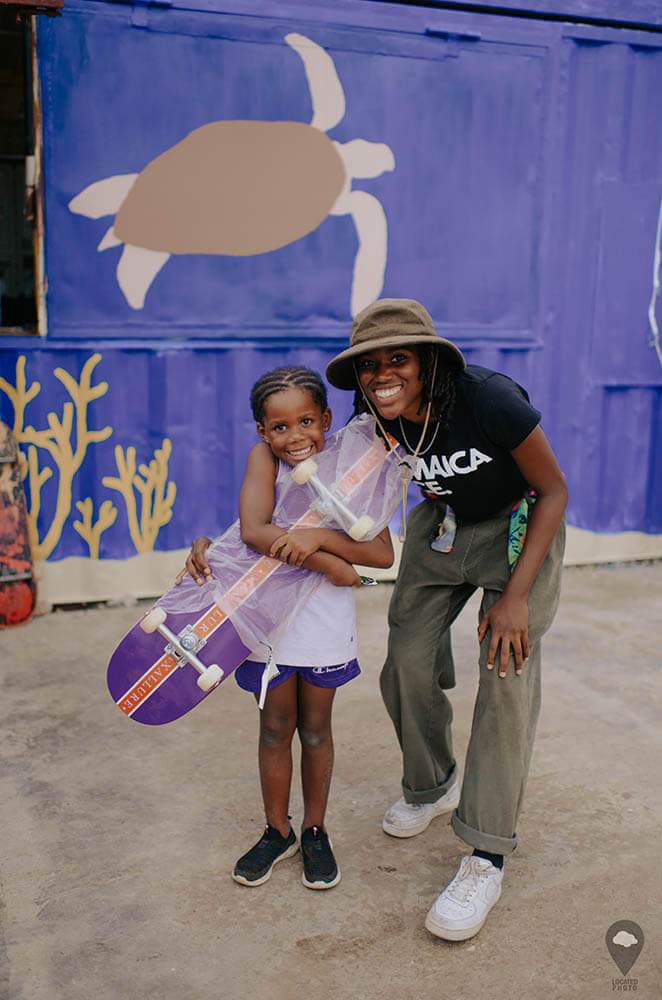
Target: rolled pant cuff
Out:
[482,841]
[421,797]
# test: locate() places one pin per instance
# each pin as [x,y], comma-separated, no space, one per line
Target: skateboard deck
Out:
[195,637]
[18,590]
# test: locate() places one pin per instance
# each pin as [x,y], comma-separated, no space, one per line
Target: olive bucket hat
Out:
[389,323]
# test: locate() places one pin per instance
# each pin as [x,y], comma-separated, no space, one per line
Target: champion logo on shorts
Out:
[328,670]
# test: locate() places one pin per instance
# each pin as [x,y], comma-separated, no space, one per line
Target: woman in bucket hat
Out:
[492,518]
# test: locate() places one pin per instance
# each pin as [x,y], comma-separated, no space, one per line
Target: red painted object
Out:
[18,590]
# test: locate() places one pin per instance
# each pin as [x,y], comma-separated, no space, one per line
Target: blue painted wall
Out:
[522,211]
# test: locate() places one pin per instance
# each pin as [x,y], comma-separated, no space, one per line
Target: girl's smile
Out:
[294,425]
[390,378]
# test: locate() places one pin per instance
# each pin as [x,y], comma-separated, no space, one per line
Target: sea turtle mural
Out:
[248,187]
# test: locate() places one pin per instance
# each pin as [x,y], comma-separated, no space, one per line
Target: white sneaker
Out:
[460,911]
[405,819]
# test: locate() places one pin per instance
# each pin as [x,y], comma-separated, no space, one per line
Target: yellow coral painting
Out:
[158,495]
[65,443]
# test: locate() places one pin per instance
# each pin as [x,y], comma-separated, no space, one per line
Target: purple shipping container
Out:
[505,170]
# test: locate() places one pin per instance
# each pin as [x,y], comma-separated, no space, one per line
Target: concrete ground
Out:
[117,840]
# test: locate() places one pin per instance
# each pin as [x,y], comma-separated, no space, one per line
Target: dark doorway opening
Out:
[18,312]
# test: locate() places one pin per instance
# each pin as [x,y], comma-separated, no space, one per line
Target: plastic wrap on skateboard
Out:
[196,636]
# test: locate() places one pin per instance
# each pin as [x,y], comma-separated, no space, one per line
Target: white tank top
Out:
[323,631]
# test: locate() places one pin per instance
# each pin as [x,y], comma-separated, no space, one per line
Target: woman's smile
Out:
[387,393]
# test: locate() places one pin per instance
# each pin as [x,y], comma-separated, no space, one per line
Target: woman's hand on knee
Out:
[508,624]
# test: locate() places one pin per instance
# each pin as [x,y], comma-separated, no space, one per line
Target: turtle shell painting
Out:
[241,188]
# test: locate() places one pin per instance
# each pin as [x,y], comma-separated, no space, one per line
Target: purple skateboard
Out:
[155,675]
[169,688]
[187,644]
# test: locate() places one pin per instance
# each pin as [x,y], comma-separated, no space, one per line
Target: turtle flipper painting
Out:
[248,187]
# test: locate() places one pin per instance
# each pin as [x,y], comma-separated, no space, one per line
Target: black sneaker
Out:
[320,870]
[255,866]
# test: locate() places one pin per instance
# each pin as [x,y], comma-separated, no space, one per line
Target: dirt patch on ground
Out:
[118,839]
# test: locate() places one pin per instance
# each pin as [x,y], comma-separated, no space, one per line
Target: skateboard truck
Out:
[357,528]
[184,646]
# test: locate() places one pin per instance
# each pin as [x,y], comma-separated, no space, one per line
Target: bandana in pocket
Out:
[442,539]
[519,522]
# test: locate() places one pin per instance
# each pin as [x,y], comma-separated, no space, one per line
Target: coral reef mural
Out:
[60,450]
[90,530]
[157,494]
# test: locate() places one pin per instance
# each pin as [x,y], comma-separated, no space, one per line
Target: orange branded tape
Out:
[148,683]
[241,590]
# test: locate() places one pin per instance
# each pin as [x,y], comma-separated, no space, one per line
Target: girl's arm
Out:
[507,619]
[296,545]
[339,572]
[257,497]
[256,504]
[256,507]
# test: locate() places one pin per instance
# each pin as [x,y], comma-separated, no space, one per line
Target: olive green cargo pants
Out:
[431,590]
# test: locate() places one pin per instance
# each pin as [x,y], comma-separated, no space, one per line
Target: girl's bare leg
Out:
[314,725]
[278,721]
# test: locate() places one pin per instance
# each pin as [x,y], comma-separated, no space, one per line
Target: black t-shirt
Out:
[469,466]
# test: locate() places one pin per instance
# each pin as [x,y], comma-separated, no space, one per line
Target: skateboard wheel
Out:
[301,473]
[153,619]
[361,528]
[211,677]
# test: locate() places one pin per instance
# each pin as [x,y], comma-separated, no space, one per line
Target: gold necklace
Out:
[417,451]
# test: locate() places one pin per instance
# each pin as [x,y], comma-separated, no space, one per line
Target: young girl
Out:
[318,654]
[480,453]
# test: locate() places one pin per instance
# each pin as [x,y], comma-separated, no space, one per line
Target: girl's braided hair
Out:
[442,392]
[286,378]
